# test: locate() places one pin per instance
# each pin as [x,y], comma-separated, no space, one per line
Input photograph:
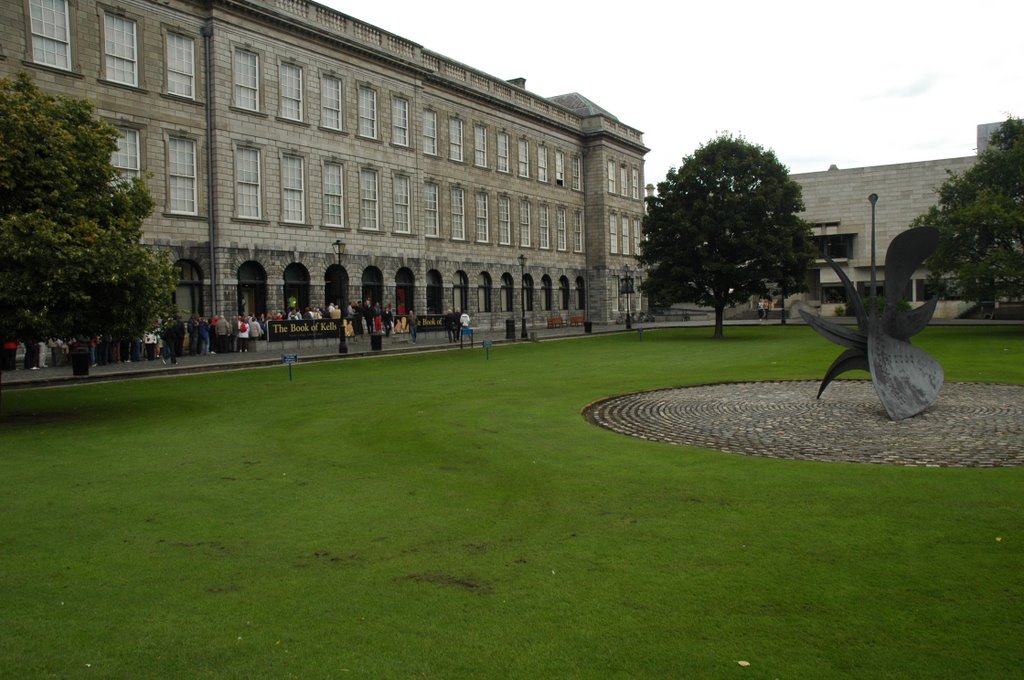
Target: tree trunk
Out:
[719,317]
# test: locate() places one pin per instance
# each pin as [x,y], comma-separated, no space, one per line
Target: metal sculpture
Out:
[906,378]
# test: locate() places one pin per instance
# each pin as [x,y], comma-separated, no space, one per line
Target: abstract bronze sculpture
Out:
[906,378]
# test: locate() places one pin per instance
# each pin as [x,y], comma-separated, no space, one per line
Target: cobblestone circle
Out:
[969,425]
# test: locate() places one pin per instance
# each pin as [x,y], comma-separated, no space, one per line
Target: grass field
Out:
[444,515]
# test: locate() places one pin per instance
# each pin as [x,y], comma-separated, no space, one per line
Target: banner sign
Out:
[428,323]
[280,330]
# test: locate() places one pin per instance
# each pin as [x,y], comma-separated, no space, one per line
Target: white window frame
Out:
[458,197]
[332,102]
[623,184]
[402,198]
[480,146]
[542,163]
[483,224]
[248,183]
[611,177]
[181,176]
[503,152]
[430,132]
[400,121]
[120,49]
[367,112]
[613,234]
[431,209]
[50,25]
[334,194]
[247,79]
[180,51]
[561,235]
[369,199]
[524,158]
[289,77]
[577,173]
[544,228]
[126,156]
[524,223]
[635,183]
[455,130]
[624,227]
[577,231]
[636,236]
[504,220]
[293,189]
[560,168]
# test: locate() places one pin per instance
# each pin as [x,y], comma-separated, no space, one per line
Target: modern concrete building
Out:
[299,156]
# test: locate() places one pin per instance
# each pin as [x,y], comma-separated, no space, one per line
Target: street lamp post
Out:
[626,286]
[522,292]
[339,250]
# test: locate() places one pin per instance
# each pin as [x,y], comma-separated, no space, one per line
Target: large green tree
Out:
[723,227]
[980,217]
[71,261]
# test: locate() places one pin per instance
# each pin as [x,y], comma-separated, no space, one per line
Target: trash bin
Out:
[510,329]
[376,342]
[80,361]
[588,327]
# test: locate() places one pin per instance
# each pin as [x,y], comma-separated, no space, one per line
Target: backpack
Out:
[244,327]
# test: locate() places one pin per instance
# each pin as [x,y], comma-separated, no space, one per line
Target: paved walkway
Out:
[969,425]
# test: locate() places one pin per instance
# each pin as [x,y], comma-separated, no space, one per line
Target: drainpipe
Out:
[211,220]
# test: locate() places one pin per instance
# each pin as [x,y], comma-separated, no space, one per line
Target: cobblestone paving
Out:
[969,425]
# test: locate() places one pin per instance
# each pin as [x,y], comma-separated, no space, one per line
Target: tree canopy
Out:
[980,217]
[723,226]
[71,261]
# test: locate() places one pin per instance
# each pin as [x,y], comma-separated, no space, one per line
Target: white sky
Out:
[852,83]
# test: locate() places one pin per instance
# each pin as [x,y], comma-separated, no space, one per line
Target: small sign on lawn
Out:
[289,360]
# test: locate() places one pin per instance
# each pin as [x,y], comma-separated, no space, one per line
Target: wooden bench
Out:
[555,322]
[577,320]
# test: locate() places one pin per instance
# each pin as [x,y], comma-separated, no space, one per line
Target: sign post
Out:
[289,360]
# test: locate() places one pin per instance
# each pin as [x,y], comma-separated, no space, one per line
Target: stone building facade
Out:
[298,156]
[837,206]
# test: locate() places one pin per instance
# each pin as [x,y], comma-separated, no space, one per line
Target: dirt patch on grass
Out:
[463,583]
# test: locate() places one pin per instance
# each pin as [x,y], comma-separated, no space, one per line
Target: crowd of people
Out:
[198,335]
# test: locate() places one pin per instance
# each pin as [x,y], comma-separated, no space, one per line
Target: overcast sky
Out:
[854,84]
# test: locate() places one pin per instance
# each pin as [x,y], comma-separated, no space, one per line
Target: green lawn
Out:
[444,515]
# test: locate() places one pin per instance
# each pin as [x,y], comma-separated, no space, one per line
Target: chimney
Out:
[517,82]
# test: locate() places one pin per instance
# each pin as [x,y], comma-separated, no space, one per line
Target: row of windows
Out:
[620,237]
[555,228]
[628,179]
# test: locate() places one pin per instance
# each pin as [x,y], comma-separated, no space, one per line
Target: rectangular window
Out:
[368,199]
[400,121]
[623,186]
[181,66]
[542,163]
[636,236]
[51,33]
[330,102]
[524,223]
[577,231]
[455,139]
[334,194]
[181,175]
[560,168]
[503,151]
[613,234]
[560,227]
[431,221]
[126,157]
[577,172]
[483,227]
[504,221]
[480,146]
[367,112]
[635,183]
[458,214]
[430,132]
[524,158]
[625,236]
[291,91]
[611,177]
[544,227]
[119,45]
[247,173]
[247,80]
[402,197]
[293,190]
